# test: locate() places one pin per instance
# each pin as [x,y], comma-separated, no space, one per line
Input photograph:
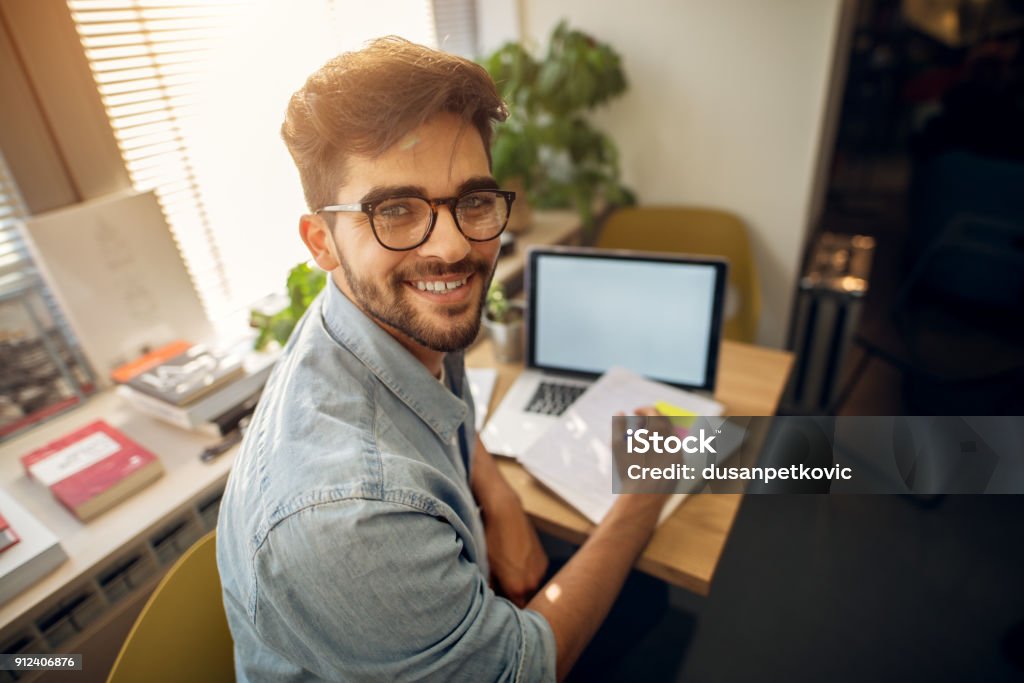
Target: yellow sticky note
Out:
[680,418]
[670,410]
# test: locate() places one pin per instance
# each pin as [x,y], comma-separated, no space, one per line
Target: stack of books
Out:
[36,553]
[92,469]
[194,386]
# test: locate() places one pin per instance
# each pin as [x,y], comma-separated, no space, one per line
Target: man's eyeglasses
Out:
[404,223]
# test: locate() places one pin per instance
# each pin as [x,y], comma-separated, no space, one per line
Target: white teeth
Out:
[438,286]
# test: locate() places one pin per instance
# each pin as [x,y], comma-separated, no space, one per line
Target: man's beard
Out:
[391,304]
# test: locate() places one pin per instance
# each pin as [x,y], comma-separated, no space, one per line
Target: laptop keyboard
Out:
[552,399]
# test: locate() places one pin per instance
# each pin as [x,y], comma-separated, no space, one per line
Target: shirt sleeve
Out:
[368,590]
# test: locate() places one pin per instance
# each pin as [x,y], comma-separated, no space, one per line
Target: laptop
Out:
[657,314]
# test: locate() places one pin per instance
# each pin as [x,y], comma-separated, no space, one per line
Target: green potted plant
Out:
[503,320]
[304,283]
[548,144]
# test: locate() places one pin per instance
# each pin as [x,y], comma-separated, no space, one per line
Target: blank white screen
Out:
[651,317]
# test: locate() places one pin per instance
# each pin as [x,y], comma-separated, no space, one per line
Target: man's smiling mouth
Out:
[440,286]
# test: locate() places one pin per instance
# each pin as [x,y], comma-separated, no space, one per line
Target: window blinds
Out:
[147,57]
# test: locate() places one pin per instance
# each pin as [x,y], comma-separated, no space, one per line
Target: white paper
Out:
[574,457]
[73,459]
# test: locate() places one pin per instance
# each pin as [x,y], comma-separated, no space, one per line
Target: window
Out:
[195,91]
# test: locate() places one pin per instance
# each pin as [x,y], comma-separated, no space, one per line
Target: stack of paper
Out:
[574,457]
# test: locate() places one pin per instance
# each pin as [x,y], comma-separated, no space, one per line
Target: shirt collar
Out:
[394,365]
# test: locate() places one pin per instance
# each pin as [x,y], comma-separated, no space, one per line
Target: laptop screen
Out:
[656,314]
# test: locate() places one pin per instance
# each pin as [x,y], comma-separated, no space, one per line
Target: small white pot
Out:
[507,339]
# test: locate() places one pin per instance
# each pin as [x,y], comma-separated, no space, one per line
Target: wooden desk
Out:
[686,547]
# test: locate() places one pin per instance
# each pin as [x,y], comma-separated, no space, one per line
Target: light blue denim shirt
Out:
[349,544]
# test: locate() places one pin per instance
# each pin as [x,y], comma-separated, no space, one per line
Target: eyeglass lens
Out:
[402,222]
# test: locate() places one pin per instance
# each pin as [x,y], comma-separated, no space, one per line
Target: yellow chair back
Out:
[706,232]
[182,633]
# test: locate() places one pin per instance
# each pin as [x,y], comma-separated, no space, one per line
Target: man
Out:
[366,534]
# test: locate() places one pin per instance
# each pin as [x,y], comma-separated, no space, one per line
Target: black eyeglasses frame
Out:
[450,202]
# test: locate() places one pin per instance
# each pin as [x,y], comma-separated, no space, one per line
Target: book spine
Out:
[154,407]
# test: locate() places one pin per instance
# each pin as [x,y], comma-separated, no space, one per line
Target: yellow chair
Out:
[706,232]
[182,633]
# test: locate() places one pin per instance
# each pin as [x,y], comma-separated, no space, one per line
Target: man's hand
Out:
[518,561]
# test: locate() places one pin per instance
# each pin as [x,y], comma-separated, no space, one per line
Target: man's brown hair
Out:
[364,102]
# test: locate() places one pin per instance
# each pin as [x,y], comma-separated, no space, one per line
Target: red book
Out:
[92,469]
[7,535]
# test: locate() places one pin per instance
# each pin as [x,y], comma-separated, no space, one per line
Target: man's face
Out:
[441,158]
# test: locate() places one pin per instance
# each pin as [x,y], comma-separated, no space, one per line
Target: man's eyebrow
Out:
[375,194]
[480,182]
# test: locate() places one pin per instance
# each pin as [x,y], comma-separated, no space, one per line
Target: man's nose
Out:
[446,240]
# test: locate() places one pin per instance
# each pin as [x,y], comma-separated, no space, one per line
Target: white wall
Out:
[724,109]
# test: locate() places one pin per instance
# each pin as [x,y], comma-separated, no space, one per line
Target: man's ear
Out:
[317,235]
